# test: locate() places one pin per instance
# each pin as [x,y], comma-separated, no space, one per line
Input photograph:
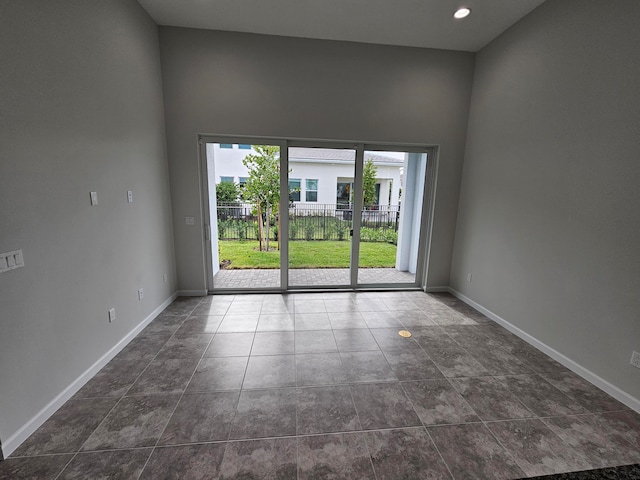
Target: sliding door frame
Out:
[427,213]
[203,171]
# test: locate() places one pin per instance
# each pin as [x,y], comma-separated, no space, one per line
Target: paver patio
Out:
[265,278]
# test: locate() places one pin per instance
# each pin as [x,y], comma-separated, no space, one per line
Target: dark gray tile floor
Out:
[321,386]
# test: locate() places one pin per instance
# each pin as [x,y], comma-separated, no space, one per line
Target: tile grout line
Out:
[119,400]
[153,449]
[439,453]
[534,374]
[67,464]
[569,446]
[495,437]
[362,431]
[241,389]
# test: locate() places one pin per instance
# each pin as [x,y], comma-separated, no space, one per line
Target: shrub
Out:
[293,230]
[391,236]
[309,230]
[378,235]
[327,232]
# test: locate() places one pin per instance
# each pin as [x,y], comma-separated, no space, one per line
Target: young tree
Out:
[263,184]
[369,183]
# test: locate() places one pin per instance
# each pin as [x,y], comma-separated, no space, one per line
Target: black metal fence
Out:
[311,221]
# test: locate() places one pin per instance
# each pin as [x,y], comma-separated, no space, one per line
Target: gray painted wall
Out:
[548,219]
[232,83]
[81,110]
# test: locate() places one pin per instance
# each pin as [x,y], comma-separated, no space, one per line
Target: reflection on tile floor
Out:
[320,386]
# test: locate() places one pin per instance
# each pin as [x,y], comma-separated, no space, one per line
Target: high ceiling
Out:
[415,23]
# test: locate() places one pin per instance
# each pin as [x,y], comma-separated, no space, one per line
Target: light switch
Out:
[3,264]
[11,261]
[19,258]
[129,196]
[94,198]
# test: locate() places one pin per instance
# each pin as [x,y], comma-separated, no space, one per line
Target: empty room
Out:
[319,240]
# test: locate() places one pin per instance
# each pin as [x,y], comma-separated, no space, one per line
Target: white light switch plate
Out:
[129,196]
[94,198]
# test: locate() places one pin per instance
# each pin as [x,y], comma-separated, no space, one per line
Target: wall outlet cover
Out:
[140,294]
[11,260]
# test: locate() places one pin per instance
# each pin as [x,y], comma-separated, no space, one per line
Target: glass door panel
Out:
[244,194]
[393,188]
[320,216]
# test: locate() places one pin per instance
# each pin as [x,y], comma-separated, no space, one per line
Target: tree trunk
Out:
[260,232]
[267,235]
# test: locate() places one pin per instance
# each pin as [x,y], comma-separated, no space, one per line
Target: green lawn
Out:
[303,254]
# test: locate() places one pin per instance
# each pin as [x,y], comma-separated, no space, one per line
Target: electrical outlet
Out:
[164,277]
[11,260]
[112,315]
[469,277]
[635,359]
[140,294]
[129,196]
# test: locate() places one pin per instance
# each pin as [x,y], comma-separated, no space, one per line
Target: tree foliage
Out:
[227,192]
[369,183]
[263,184]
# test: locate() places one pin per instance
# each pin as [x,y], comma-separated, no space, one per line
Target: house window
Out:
[226,145]
[311,194]
[242,181]
[244,146]
[294,189]
[226,179]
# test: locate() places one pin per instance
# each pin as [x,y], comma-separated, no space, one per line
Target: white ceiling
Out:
[415,23]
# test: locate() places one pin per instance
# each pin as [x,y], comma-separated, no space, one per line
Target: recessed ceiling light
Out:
[462,12]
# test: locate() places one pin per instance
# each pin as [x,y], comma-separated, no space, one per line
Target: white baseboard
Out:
[15,440]
[437,290]
[620,395]
[192,293]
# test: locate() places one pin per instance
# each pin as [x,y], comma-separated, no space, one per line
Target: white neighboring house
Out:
[318,175]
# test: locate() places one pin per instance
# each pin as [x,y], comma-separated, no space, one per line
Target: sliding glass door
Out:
[320,210]
[242,240]
[342,216]
[391,217]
